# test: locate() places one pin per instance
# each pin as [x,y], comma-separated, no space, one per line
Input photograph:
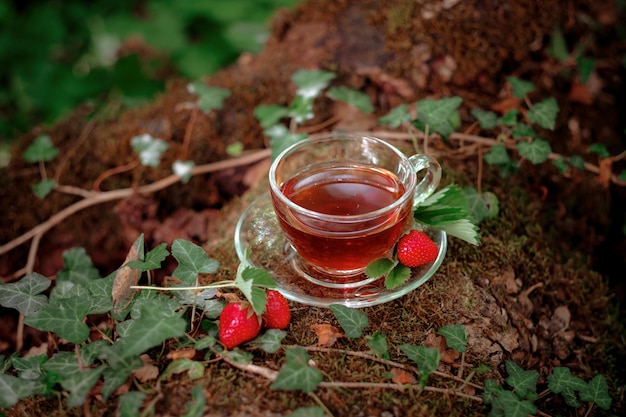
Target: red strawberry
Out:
[238,324]
[277,314]
[416,249]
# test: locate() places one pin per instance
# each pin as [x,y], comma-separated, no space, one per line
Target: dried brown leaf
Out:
[402,377]
[327,335]
[125,278]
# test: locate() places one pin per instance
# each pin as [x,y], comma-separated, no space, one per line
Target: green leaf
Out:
[209,97]
[558,45]
[25,295]
[193,369]
[397,276]
[510,118]
[396,117]
[353,97]
[544,113]
[515,407]
[281,138]
[597,391]
[497,155]
[42,149]
[483,205]
[65,319]
[152,260]
[562,378]
[456,337]
[378,344]
[492,391]
[296,374]
[522,130]
[561,164]
[569,395]
[577,161]
[12,389]
[31,367]
[521,88]
[44,187]
[486,119]
[585,68]
[183,169]
[130,403]
[311,82]
[439,114]
[75,379]
[426,358]
[524,382]
[195,407]
[269,115]
[308,412]
[234,149]
[192,260]
[379,267]
[599,149]
[149,149]
[153,327]
[536,151]
[251,282]
[120,370]
[270,341]
[79,268]
[301,109]
[351,320]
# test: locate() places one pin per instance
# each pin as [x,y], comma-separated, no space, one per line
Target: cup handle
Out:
[430,180]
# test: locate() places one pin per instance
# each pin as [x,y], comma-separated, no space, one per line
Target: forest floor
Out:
[545,288]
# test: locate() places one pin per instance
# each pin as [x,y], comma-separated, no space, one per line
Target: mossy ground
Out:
[548,248]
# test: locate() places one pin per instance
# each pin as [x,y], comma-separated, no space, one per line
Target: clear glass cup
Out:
[344,200]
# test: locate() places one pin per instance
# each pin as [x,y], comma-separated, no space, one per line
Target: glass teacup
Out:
[344,200]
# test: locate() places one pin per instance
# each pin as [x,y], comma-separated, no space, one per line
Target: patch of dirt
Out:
[540,289]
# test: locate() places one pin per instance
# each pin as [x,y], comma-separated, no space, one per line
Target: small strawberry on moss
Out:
[277,314]
[416,249]
[238,324]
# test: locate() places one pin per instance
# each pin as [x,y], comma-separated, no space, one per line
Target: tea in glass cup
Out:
[344,200]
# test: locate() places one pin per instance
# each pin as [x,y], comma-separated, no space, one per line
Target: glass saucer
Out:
[258,231]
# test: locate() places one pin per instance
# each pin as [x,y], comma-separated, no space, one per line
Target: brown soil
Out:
[543,288]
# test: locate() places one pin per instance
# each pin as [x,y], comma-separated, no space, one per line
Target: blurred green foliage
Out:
[56,54]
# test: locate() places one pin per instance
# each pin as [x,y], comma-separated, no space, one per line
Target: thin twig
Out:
[110,172]
[188,131]
[107,196]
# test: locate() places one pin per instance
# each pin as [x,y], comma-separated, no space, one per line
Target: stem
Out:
[110,172]
[188,131]
[220,284]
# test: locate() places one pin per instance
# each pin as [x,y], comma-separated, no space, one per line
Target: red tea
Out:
[351,191]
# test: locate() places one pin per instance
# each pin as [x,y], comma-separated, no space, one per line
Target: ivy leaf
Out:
[195,407]
[270,341]
[269,115]
[597,391]
[43,188]
[193,369]
[510,118]
[379,267]
[42,149]
[522,130]
[155,325]
[79,268]
[599,149]
[497,155]
[209,97]
[439,114]
[544,113]
[396,117]
[12,389]
[456,337]
[515,407]
[562,378]
[398,275]
[351,320]
[577,161]
[524,382]
[378,344]
[521,88]
[149,149]
[78,381]
[25,295]
[130,403]
[281,138]
[558,45]
[311,82]
[183,169]
[585,68]
[120,369]
[65,319]
[151,260]
[234,149]
[353,97]
[483,205]
[308,412]
[536,151]
[486,119]
[427,359]
[192,260]
[296,374]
